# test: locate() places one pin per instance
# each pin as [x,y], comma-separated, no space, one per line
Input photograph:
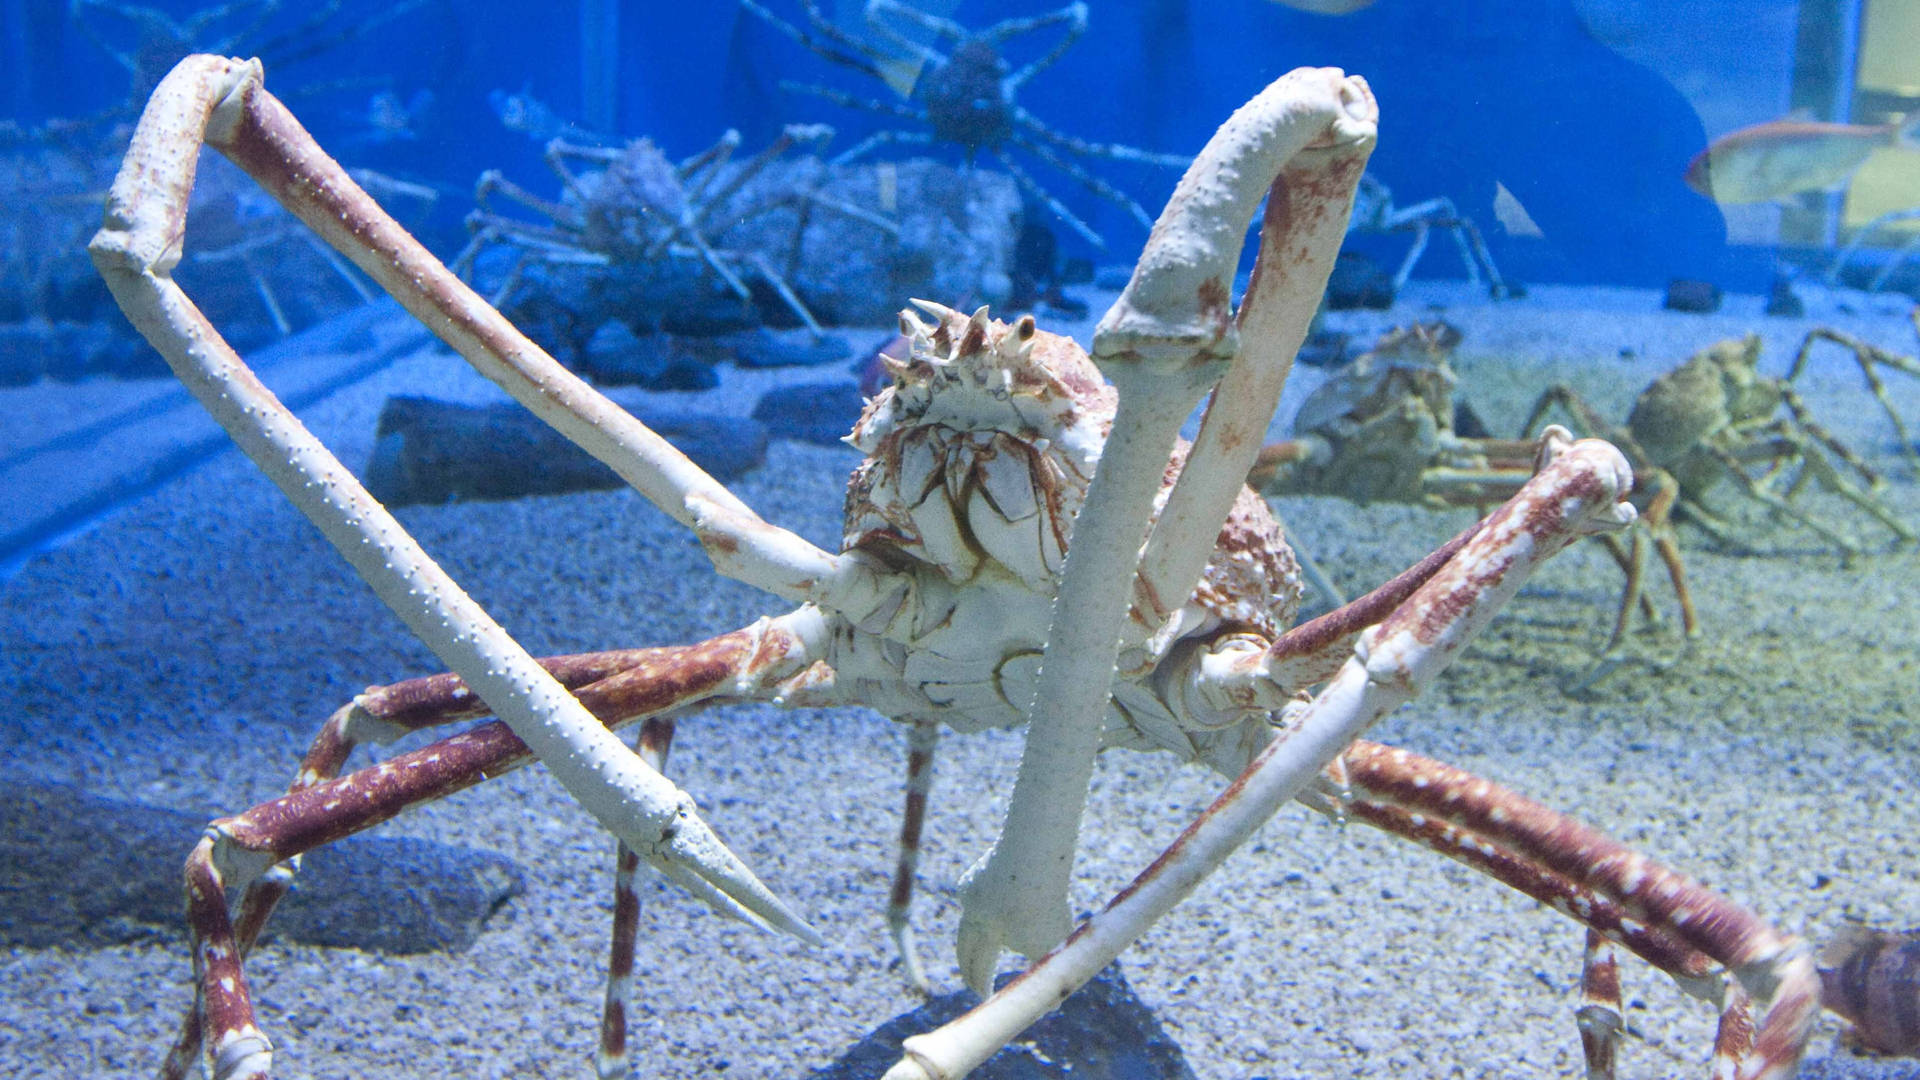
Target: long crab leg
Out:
[1084,177]
[1581,489]
[222,103]
[610,1060]
[381,714]
[1601,1017]
[1664,917]
[139,243]
[1074,15]
[1042,196]
[935,24]
[858,55]
[1088,148]
[922,737]
[752,662]
[883,137]
[1244,674]
[1165,342]
[1306,218]
[1866,356]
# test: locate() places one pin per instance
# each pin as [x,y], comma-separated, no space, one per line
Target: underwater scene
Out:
[918,538]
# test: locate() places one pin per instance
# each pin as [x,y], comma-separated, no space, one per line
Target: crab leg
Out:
[1084,177]
[222,103]
[859,55]
[922,737]
[1600,1016]
[1306,219]
[934,24]
[1165,342]
[883,137]
[1666,918]
[1074,15]
[610,1060]
[1243,674]
[257,850]
[1086,147]
[1866,356]
[1581,489]
[135,251]
[1041,195]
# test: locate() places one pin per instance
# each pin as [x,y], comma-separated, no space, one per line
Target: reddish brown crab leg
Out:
[1314,650]
[1661,915]
[922,738]
[744,662]
[1600,1015]
[1371,766]
[656,738]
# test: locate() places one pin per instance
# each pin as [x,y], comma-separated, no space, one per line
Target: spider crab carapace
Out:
[1026,541]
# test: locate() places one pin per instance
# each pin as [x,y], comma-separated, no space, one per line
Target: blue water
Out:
[1518,92]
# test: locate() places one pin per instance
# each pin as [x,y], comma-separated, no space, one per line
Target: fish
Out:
[1872,978]
[1790,155]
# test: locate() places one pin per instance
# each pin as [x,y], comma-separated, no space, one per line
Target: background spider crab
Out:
[967,95]
[1693,931]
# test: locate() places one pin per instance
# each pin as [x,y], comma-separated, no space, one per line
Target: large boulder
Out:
[431,451]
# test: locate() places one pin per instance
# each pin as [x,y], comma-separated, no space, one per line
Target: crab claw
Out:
[693,857]
[1166,341]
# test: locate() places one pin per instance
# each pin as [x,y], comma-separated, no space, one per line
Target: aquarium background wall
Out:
[1574,118]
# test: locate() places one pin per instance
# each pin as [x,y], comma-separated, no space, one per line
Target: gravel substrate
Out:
[182,653]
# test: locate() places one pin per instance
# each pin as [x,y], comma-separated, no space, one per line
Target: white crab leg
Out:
[1580,490]
[223,103]
[1167,339]
[1306,219]
[135,251]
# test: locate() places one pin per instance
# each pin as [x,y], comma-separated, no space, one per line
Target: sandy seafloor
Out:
[183,651]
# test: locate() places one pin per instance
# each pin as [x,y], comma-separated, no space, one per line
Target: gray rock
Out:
[1358,282]
[822,413]
[1698,297]
[794,348]
[616,356]
[431,451]
[1103,1032]
[77,869]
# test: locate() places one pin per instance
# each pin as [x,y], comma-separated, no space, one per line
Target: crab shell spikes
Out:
[981,448]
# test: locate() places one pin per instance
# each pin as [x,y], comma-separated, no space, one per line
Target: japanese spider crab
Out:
[1715,417]
[1381,429]
[658,222]
[148,41]
[1374,211]
[967,96]
[994,571]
